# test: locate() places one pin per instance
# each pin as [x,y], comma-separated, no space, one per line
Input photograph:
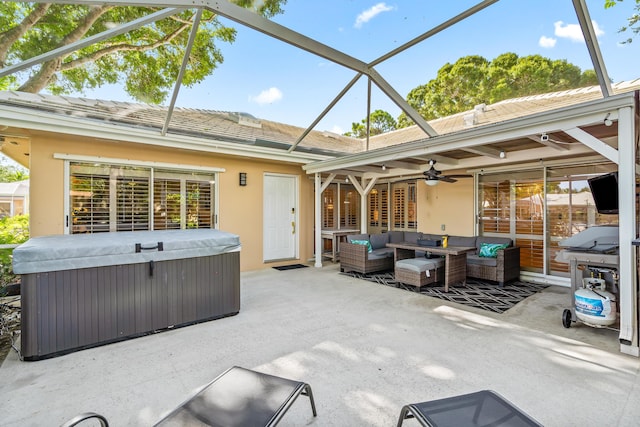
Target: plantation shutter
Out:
[167,204]
[399,199]
[327,208]
[384,207]
[374,208]
[350,210]
[412,208]
[199,204]
[132,203]
[89,199]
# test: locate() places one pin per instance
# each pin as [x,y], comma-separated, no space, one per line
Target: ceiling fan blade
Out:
[447,179]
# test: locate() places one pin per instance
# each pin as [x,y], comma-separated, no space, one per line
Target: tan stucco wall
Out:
[240,208]
[450,204]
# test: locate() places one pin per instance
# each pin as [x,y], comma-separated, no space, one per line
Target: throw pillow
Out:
[363,242]
[490,250]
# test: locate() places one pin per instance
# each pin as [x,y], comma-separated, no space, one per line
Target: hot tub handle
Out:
[140,248]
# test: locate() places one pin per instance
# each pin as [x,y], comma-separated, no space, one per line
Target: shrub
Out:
[13,230]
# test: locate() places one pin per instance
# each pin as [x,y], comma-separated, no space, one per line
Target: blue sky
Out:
[274,81]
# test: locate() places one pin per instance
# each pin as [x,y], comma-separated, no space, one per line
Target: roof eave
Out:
[39,120]
[577,115]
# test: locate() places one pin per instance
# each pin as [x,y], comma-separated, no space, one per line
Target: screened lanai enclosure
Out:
[521,166]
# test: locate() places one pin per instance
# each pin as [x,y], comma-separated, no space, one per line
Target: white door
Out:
[280,217]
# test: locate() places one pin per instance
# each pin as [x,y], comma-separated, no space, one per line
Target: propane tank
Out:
[594,305]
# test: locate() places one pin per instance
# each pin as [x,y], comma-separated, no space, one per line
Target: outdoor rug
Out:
[476,293]
[290,267]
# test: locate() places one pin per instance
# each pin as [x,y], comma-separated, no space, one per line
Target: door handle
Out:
[293,226]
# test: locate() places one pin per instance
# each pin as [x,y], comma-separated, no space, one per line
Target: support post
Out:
[318,219]
[628,303]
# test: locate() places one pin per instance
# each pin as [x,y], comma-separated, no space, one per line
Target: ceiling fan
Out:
[433,176]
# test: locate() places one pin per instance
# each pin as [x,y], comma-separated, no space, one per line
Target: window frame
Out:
[169,168]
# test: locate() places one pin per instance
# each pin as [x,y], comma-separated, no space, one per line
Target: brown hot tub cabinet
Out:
[80,291]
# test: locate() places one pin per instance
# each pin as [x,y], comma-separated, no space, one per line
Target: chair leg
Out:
[307,392]
[404,414]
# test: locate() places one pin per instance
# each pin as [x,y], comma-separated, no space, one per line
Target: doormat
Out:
[290,267]
[475,293]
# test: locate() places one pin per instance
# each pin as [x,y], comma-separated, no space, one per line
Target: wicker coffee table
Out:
[455,259]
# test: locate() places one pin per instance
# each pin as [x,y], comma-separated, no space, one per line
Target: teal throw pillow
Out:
[363,242]
[490,250]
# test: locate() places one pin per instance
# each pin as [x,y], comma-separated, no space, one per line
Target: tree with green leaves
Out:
[146,59]
[11,171]
[379,122]
[474,80]
[633,22]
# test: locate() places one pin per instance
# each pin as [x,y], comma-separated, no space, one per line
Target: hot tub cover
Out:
[72,251]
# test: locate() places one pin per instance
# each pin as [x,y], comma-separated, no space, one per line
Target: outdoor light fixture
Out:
[431,182]
[346,180]
[502,154]
[243,179]
[607,120]
[384,167]
[544,137]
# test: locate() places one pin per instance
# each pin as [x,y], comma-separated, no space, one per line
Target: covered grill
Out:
[593,252]
[79,291]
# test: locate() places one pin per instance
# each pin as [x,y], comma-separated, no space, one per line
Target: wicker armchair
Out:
[355,257]
[507,267]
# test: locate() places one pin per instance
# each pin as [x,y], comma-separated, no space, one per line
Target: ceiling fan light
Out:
[431,182]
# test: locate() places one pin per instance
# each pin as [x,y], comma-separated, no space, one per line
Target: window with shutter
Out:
[125,198]
[412,208]
[167,202]
[132,201]
[89,199]
[328,220]
[199,204]
[399,207]
[384,208]
[374,208]
[350,212]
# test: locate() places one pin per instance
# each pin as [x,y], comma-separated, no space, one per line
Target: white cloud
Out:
[337,129]
[573,31]
[371,13]
[547,42]
[269,96]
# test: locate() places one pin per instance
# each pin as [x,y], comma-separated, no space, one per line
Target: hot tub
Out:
[80,291]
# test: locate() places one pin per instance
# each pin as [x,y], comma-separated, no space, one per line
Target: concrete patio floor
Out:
[365,349]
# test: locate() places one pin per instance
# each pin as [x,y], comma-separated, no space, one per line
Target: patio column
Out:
[318,219]
[628,303]
[364,191]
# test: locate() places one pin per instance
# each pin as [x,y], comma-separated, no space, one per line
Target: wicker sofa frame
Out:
[507,267]
[356,258]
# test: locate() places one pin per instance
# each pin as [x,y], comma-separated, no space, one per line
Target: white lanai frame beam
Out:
[277,31]
[185,61]
[590,39]
[284,34]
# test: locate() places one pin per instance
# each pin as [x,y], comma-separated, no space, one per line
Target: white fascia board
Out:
[49,122]
[575,116]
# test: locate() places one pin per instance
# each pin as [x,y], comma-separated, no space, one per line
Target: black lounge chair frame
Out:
[481,408]
[240,397]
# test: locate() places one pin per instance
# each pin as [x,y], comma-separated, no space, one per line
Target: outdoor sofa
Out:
[502,268]
[356,256]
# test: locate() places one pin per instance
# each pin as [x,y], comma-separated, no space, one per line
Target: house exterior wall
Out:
[450,204]
[240,208]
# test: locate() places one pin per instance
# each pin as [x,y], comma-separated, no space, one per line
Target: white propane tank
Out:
[594,305]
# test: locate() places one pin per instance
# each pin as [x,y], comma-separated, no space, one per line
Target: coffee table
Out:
[455,259]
